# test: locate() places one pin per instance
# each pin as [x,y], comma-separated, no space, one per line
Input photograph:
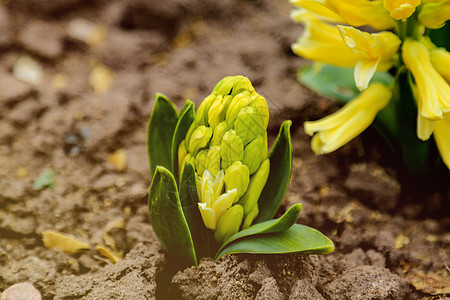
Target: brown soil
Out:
[391,243]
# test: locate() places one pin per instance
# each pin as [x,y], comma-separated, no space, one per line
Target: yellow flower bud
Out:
[231,149]
[237,176]
[199,139]
[212,160]
[250,217]
[257,183]
[255,152]
[201,118]
[238,102]
[259,105]
[187,159]
[224,86]
[242,85]
[218,134]
[229,224]
[182,151]
[442,138]
[247,126]
[440,58]
[200,161]
[215,112]
[401,9]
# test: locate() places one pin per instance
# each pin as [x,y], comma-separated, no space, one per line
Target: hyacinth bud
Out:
[227,143]
[250,217]
[237,176]
[229,224]
[232,148]
[199,139]
[219,132]
[257,183]
[255,152]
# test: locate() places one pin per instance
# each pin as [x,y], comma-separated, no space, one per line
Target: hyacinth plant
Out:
[389,62]
[215,187]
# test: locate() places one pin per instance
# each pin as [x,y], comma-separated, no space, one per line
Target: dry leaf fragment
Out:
[86,31]
[63,242]
[118,159]
[401,241]
[113,256]
[100,78]
[431,283]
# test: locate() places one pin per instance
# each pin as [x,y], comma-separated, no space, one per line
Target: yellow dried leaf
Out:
[22,172]
[118,159]
[111,255]
[63,242]
[401,241]
[431,283]
[86,31]
[101,78]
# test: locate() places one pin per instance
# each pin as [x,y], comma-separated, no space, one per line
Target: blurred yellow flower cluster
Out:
[372,36]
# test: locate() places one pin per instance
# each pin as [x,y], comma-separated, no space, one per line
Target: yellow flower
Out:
[337,129]
[314,6]
[442,138]
[212,203]
[375,51]
[401,9]
[361,12]
[440,58]
[434,14]
[322,42]
[432,89]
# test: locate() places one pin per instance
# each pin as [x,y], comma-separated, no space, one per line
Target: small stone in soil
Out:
[21,291]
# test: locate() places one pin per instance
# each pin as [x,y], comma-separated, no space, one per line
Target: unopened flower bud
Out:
[212,160]
[199,139]
[257,183]
[218,133]
[255,152]
[231,149]
[229,223]
[182,151]
[201,118]
[224,86]
[239,101]
[241,85]
[247,125]
[237,176]
[200,161]
[187,159]
[250,217]
[259,105]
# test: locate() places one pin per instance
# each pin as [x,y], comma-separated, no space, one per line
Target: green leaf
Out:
[335,82]
[296,239]
[167,218]
[202,237]
[46,179]
[187,116]
[279,176]
[161,126]
[272,226]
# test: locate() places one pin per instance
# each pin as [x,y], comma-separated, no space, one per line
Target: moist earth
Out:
[101,62]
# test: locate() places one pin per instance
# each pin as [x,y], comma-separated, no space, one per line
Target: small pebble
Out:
[21,291]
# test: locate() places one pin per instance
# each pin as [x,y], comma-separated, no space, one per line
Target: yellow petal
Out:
[434,14]
[401,9]
[361,12]
[433,90]
[337,129]
[320,10]
[322,42]
[440,58]
[364,70]
[218,184]
[113,256]
[208,216]
[63,242]
[224,202]
[442,138]
[118,159]
[101,78]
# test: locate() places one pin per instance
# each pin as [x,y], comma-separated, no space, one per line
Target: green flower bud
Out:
[188,158]
[201,118]
[239,101]
[232,149]
[255,152]
[218,134]
[250,217]
[215,112]
[229,223]
[248,125]
[224,86]
[199,139]
[261,109]
[237,176]
[212,161]
[200,161]
[243,84]
[257,183]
